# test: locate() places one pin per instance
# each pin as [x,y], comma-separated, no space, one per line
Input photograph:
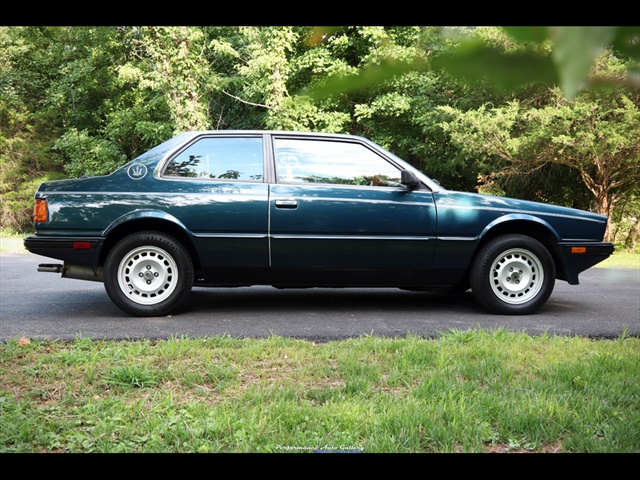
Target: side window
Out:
[228,158]
[343,163]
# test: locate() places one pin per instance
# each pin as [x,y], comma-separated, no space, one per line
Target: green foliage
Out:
[593,136]
[510,58]
[89,156]
[172,60]
[17,201]
[84,100]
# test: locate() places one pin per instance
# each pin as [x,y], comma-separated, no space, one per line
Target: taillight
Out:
[40,210]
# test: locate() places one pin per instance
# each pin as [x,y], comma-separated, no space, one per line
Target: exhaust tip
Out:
[50,267]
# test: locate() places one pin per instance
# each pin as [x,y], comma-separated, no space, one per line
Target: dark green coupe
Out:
[293,209]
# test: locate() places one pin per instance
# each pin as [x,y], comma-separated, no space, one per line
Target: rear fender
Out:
[144,214]
[147,220]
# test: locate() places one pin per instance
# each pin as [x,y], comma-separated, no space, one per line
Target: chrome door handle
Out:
[286,204]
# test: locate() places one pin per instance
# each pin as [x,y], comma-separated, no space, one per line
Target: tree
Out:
[174,60]
[511,62]
[84,100]
[596,135]
[28,125]
[106,118]
[263,66]
[512,59]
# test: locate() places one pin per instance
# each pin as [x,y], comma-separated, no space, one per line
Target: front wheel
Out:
[512,274]
[148,274]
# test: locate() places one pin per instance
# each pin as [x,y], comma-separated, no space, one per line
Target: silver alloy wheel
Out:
[516,276]
[148,275]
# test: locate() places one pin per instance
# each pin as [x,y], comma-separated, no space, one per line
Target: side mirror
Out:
[409,179]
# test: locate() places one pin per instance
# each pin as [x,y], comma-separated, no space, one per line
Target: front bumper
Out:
[578,257]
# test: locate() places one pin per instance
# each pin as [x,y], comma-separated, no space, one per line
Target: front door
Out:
[340,205]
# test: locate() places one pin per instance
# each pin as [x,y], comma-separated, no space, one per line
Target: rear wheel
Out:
[513,274]
[148,274]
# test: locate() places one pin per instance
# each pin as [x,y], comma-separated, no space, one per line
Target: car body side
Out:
[298,235]
[225,226]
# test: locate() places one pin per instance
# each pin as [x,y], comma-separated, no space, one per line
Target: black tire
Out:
[513,275]
[148,274]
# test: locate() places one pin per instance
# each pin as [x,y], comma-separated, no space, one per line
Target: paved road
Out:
[43,305]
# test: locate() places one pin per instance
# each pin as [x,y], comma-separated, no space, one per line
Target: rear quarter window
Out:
[219,158]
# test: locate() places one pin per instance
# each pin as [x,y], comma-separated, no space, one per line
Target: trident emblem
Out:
[137,171]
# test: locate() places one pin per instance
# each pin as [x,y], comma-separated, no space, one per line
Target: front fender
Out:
[568,266]
[504,221]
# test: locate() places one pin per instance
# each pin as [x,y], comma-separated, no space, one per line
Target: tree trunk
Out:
[604,206]
[634,233]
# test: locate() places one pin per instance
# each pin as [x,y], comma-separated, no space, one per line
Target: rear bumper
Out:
[83,251]
[580,256]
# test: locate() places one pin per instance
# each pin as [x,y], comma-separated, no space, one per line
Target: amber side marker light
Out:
[40,210]
[578,250]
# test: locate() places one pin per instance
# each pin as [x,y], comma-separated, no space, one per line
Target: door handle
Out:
[287,204]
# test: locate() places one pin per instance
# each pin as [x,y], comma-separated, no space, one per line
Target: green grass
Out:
[11,244]
[465,391]
[622,259]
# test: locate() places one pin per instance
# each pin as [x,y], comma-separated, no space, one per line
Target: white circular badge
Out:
[137,171]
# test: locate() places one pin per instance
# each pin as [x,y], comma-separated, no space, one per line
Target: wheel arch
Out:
[148,220]
[526,225]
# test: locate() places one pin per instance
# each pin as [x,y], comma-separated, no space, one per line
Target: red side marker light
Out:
[578,250]
[81,245]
